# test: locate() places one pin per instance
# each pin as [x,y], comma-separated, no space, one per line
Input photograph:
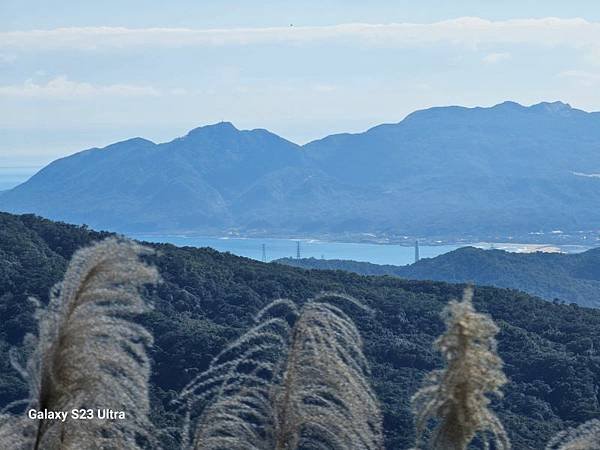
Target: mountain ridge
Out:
[570,278]
[458,172]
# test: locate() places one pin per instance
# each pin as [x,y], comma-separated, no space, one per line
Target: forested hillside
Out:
[208,298]
[570,278]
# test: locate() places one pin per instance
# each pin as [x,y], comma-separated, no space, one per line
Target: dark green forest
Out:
[569,278]
[208,298]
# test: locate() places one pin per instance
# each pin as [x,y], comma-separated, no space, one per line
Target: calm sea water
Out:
[282,248]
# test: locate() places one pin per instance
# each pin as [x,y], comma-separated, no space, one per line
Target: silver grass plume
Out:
[236,390]
[325,400]
[16,432]
[457,395]
[584,437]
[88,354]
[297,379]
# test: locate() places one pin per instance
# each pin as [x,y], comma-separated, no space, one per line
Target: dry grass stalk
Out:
[298,379]
[88,354]
[584,437]
[457,395]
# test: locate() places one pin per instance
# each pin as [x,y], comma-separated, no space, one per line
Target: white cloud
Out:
[465,31]
[587,175]
[62,87]
[494,58]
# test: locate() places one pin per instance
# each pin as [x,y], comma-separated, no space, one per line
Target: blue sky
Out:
[79,74]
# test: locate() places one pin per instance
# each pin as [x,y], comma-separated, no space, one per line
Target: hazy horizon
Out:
[76,76]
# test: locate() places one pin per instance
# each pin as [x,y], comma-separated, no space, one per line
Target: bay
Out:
[309,248]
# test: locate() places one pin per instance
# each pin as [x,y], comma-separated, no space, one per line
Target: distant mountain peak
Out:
[553,107]
[509,104]
[136,140]
[550,107]
[127,145]
[556,107]
[215,128]
[227,133]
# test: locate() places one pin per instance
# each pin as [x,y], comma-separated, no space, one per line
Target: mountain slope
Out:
[504,139]
[208,298]
[447,172]
[451,170]
[567,277]
[139,185]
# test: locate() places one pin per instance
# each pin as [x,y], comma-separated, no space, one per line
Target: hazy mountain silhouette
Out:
[440,171]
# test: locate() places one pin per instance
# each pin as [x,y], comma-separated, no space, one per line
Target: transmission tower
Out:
[417,256]
[298,249]
[264,253]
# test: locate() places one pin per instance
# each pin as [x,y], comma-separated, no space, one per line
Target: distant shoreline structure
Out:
[272,248]
[408,242]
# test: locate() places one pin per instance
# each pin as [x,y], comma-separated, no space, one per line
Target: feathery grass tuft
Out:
[16,432]
[297,379]
[236,390]
[584,437]
[89,355]
[456,396]
[325,400]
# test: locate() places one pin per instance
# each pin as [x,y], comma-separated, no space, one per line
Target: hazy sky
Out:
[76,74]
